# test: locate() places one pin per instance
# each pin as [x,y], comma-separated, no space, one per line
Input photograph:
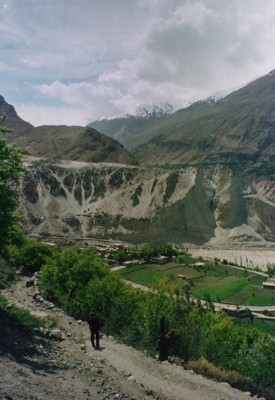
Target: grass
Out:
[148,273]
[223,290]
[22,316]
[221,282]
[7,274]
[264,326]
[142,274]
[208,369]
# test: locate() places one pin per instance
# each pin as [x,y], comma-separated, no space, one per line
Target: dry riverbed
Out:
[246,257]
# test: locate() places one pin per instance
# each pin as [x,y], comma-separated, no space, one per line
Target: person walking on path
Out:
[165,339]
[94,325]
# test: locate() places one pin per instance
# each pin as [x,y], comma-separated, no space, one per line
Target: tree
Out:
[30,255]
[11,167]
[65,276]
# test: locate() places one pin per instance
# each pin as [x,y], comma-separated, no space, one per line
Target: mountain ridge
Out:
[63,142]
[237,127]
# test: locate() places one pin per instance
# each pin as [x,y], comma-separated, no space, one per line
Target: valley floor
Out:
[246,257]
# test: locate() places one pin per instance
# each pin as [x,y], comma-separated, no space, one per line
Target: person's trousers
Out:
[95,337]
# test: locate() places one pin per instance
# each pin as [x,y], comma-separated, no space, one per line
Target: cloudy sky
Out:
[75,61]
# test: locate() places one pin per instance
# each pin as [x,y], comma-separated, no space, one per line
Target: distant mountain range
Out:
[237,127]
[211,201]
[128,129]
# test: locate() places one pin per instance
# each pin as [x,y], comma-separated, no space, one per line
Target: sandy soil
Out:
[71,369]
[251,258]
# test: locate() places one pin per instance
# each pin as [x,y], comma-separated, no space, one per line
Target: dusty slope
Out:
[71,370]
[112,201]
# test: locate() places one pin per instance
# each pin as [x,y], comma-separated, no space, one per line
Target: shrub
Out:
[208,369]
[80,281]
[22,316]
[7,274]
[30,255]
[65,276]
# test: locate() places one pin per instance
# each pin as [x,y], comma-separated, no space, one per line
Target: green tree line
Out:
[80,281]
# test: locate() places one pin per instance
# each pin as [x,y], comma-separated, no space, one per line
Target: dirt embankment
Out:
[71,369]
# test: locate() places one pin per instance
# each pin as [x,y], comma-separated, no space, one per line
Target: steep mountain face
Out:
[214,204]
[13,121]
[63,142]
[91,195]
[74,143]
[133,130]
[239,127]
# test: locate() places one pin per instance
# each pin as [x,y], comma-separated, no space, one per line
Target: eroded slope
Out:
[214,204]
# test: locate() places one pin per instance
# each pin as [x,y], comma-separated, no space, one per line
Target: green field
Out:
[147,274]
[220,282]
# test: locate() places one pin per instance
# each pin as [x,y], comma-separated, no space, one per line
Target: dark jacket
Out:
[94,322]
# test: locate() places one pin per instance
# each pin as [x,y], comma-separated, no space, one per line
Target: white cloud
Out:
[105,58]
[39,115]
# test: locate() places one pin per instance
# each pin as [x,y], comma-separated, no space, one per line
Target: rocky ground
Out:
[68,368]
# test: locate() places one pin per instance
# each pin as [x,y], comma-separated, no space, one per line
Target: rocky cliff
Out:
[214,204]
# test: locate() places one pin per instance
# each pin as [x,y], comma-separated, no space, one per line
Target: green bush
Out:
[65,276]
[21,316]
[11,167]
[30,255]
[80,281]
[7,274]
[150,250]
[235,379]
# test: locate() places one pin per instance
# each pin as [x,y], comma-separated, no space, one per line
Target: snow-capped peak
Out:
[151,110]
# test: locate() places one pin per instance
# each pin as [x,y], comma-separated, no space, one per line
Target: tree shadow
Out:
[20,345]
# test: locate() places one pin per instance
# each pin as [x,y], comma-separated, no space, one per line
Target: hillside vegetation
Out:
[79,280]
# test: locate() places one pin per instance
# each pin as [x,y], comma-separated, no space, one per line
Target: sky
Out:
[72,62]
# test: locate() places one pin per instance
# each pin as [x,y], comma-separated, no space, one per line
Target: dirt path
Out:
[71,369]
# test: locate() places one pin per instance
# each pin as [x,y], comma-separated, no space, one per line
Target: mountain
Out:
[63,142]
[237,127]
[129,129]
[151,111]
[211,203]
[74,143]
[215,204]
[13,121]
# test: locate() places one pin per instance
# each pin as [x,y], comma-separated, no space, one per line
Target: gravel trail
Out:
[70,369]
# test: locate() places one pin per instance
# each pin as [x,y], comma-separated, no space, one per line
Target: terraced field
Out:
[217,281]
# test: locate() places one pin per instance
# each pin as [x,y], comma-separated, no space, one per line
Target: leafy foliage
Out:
[29,254]
[7,274]
[11,168]
[148,251]
[79,281]
[64,278]
[21,316]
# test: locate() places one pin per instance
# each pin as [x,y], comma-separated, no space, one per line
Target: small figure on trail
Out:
[94,325]
[165,340]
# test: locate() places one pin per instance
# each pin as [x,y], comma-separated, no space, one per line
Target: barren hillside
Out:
[211,205]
